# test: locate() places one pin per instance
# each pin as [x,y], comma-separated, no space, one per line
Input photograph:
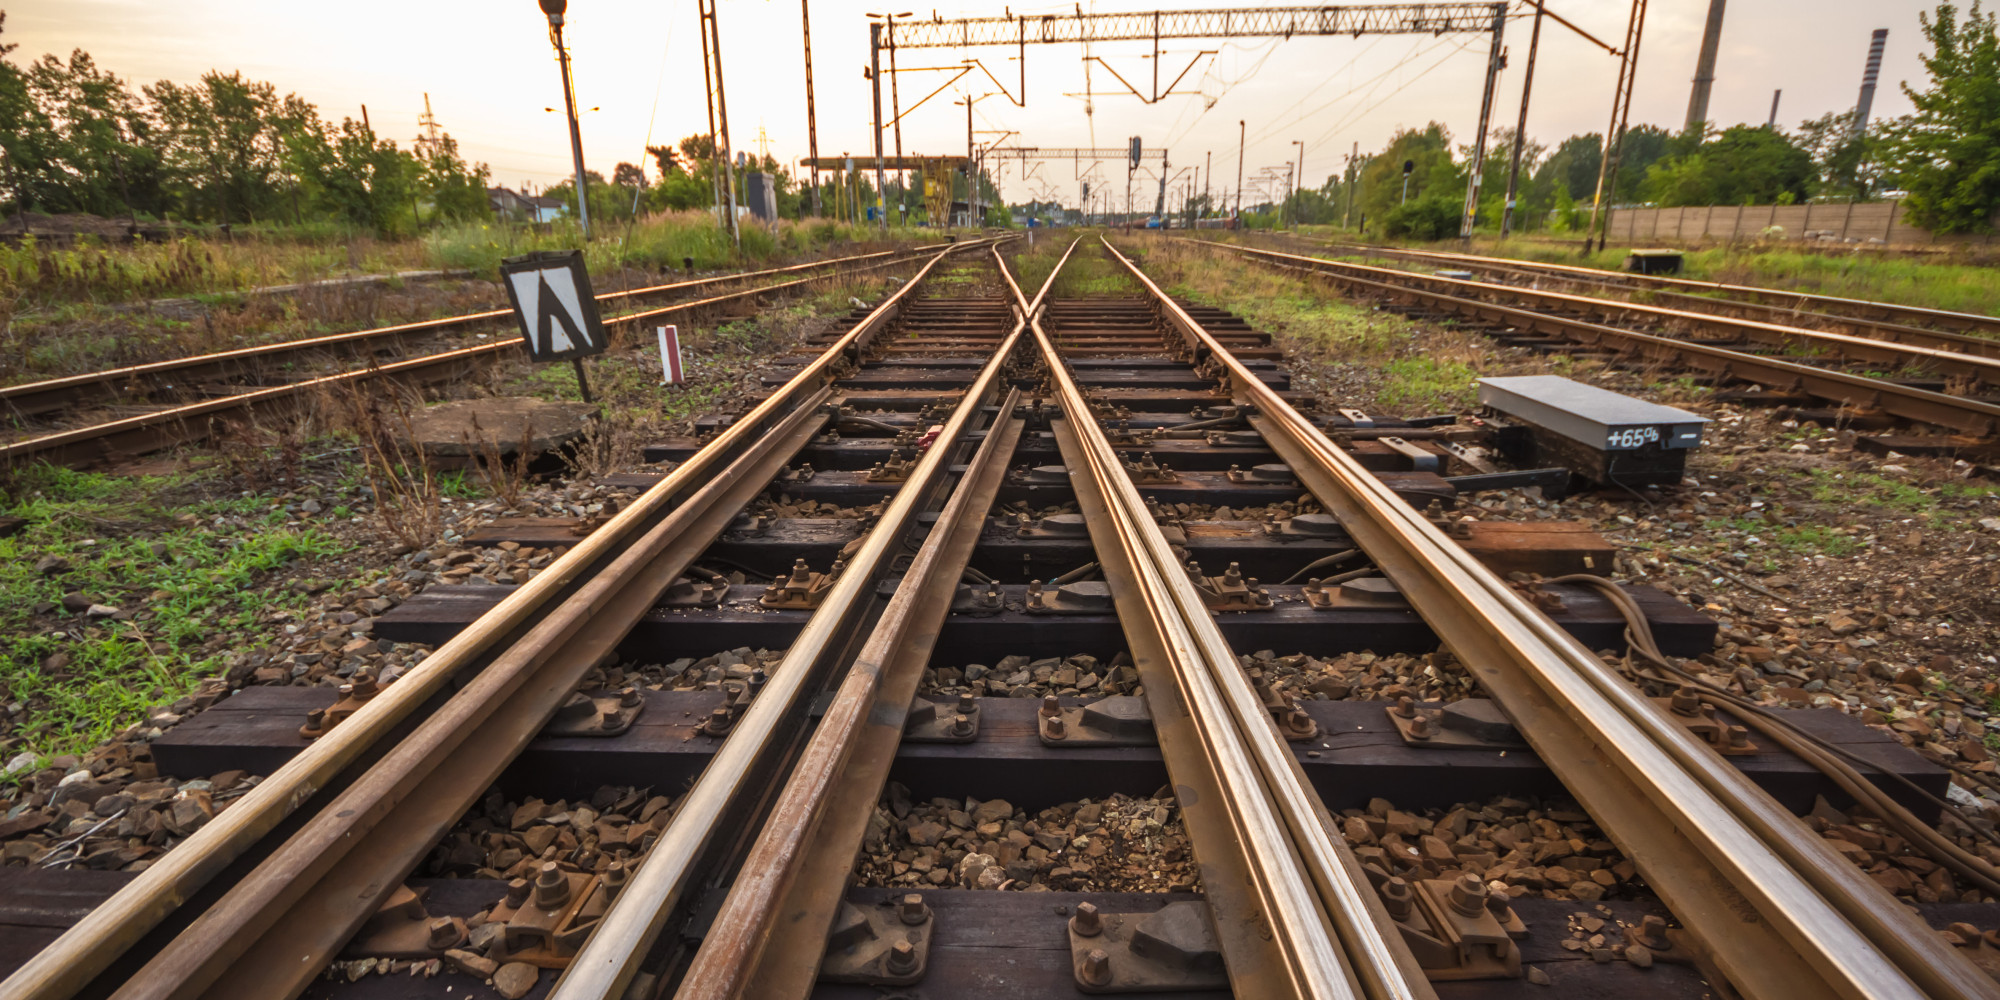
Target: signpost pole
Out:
[582,380]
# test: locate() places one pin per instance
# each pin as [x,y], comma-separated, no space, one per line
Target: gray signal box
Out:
[1604,436]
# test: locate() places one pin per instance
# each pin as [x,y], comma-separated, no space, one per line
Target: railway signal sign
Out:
[671,371]
[553,304]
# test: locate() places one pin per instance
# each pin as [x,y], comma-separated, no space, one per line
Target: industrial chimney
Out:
[1704,67]
[1868,80]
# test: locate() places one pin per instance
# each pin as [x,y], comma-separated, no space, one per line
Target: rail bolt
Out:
[1298,721]
[1739,736]
[1405,708]
[1034,593]
[961,725]
[719,721]
[966,704]
[1397,898]
[902,958]
[444,933]
[1086,922]
[551,886]
[911,909]
[1055,728]
[1421,728]
[1096,968]
[1468,895]
[517,892]
[1686,700]
[1051,706]
[630,697]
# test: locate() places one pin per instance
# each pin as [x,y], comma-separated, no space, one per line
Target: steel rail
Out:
[1970,416]
[1782,914]
[1332,932]
[1949,319]
[107,931]
[1847,345]
[1616,281]
[194,421]
[275,931]
[610,959]
[34,398]
[768,938]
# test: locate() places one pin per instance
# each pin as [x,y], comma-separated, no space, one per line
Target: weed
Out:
[1425,383]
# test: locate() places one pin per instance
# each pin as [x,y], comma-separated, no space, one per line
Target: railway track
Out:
[234,380]
[1799,366]
[1970,333]
[1029,484]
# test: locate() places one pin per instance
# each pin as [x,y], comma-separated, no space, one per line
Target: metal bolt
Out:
[1034,593]
[1968,935]
[719,720]
[1739,736]
[444,933]
[1397,898]
[1686,700]
[1096,968]
[961,725]
[902,958]
[517,892]
[614,879]
[1298,721]
[1054,728]
[1051,706]
[551,886]
[1421,728]
[607,718]
[1086,922]
[630,697]
[1405,708]
[966,704]
[1468,895]
[1234,574]
[911,910]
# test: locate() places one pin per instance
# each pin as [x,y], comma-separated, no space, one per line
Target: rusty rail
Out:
[531,625]
[1888,316]
[197,421]
[1779,912]
[1774,335]
[1859,392]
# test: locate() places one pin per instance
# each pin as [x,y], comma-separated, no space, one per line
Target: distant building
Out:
[513,206]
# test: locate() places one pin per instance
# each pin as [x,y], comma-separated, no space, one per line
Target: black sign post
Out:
[550,292]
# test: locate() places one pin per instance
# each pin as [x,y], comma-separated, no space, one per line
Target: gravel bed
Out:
[1347,676]
[1117,844]
[1551,849]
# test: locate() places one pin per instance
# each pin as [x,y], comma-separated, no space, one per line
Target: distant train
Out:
[1228,223]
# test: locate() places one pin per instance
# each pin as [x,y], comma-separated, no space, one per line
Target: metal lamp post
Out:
[554,9]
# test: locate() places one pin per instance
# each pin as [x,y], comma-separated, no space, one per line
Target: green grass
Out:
[1804,539]
[1424,383]
[1868,488]
[189,566]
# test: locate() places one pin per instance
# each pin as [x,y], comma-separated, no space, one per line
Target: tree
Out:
[666,158]
[1573,166]
[1842,157]
[629,175]
[1429,150]
[1744,165]
[1947,153]
[458,191]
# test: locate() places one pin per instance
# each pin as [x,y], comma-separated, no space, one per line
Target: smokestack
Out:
[1704,67]
[1773,123]
[1868,80]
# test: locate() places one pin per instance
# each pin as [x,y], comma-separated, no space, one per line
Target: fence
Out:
[1862,222]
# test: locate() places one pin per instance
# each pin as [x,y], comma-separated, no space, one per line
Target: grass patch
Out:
[188,567]
[1803,539]
[1425,383]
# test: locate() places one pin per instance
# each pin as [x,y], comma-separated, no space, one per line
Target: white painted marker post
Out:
[670,356]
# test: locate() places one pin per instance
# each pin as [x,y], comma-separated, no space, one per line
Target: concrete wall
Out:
[1862,222]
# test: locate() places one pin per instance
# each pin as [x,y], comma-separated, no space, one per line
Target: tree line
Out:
[224,149]
[1944,156]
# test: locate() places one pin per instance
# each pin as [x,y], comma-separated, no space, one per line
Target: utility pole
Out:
[712,47]
[554,9]
[896,112]
[1298,181]
[1353,179]
[1621,107]
[1494,60]
[812,117]
[1704,67]
[1773,122]
[1241,132]
[875,80]
[1521,123]
[1206,177]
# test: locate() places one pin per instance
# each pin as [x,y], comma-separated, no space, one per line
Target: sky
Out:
[489,71]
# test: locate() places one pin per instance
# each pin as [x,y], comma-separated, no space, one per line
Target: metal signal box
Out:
[1603,436]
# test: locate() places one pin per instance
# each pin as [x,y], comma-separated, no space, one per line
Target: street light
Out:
[555,9]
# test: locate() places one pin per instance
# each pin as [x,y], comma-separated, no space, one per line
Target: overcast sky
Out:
[489,71]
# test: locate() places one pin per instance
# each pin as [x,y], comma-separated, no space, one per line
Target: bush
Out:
[1434,217]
